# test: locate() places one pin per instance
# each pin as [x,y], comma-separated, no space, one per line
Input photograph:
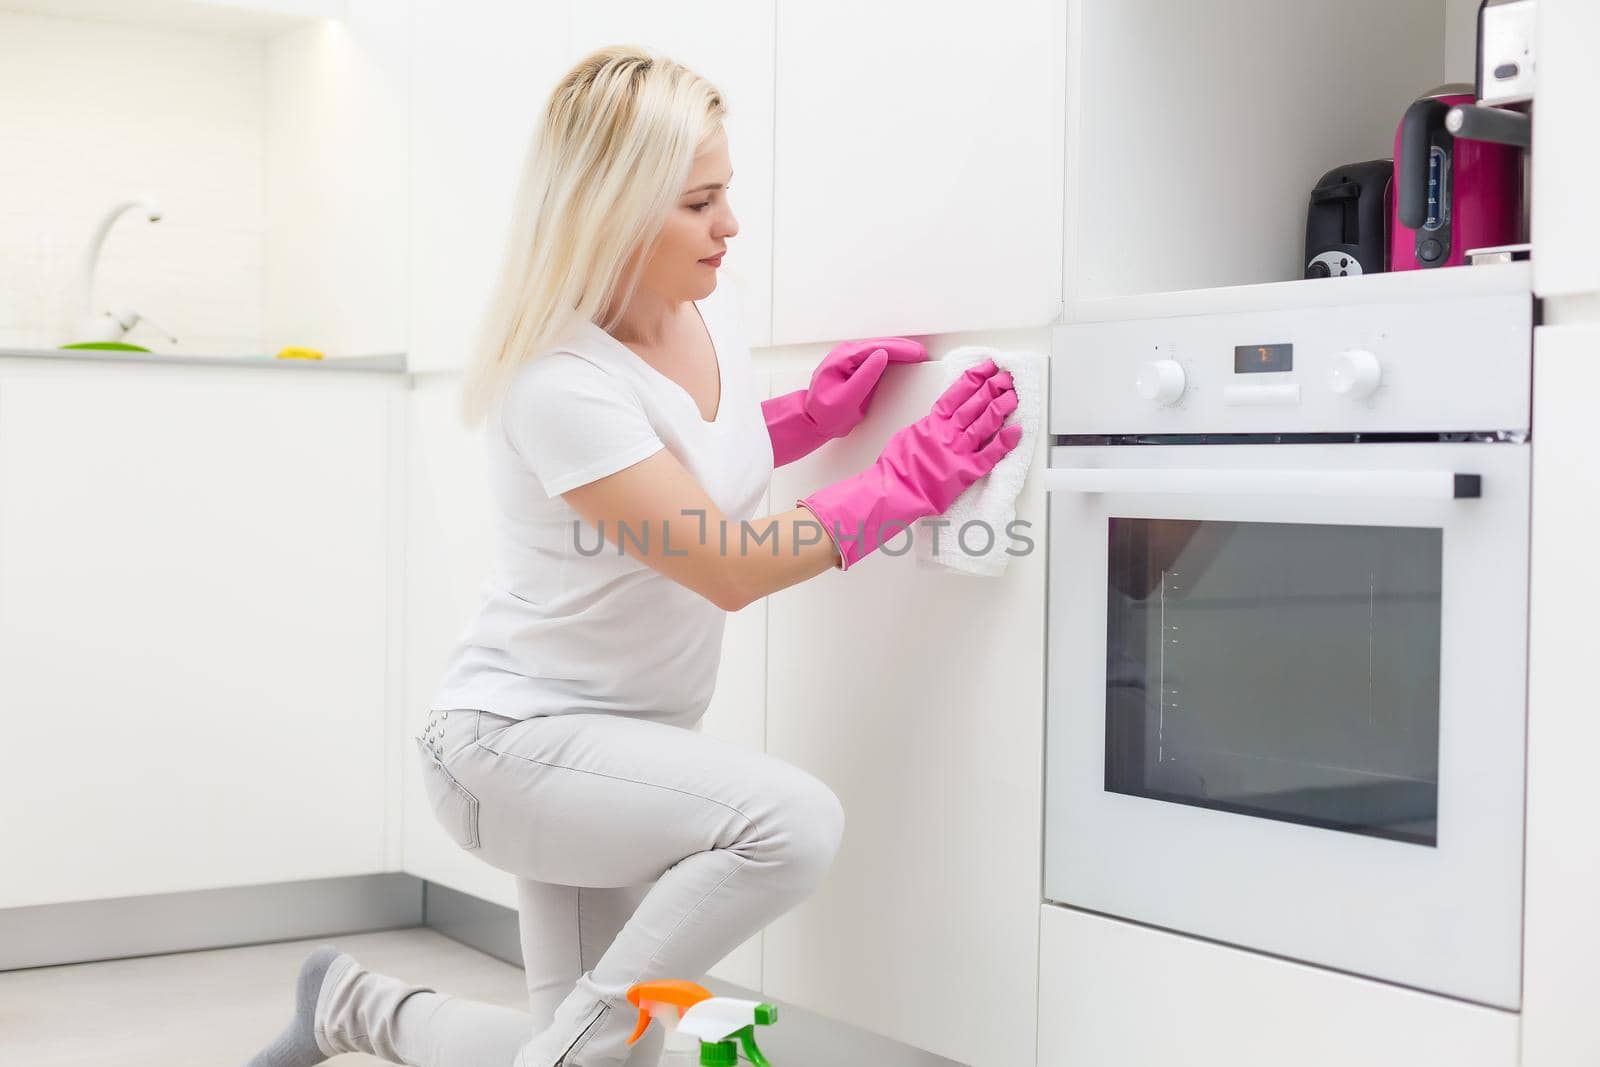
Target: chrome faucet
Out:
[110,325]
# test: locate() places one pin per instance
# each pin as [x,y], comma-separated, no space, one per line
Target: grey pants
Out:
[641,851]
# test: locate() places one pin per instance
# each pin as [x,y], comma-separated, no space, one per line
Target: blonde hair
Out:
[605,166]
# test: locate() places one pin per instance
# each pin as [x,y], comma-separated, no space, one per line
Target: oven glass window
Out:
[1287,672]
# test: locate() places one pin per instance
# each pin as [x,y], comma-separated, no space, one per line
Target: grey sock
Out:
[297,1045]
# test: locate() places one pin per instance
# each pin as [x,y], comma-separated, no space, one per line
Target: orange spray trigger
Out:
[652,998]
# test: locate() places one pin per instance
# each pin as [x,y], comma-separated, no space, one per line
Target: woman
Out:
[627,458]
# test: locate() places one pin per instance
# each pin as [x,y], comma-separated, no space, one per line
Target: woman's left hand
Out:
[837,400]
[844,382]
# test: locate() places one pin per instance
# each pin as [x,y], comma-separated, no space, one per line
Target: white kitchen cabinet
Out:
[917,694]
[448,545]
[918,168]
[448,559]
[738,713]
[1115,994]
[1562,933]
[193,605]
[1566,153]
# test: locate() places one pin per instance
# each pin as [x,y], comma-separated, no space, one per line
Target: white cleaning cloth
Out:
[992,499]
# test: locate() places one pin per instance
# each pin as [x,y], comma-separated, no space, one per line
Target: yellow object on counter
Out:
[295,352]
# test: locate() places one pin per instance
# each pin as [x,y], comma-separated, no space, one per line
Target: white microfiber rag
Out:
[992,499]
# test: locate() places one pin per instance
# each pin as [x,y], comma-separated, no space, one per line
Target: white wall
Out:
[280,162]
[1164,194]
[93,112]
[337,185]
[1460,40]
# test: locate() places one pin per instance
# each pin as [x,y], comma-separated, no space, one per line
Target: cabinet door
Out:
[738,714]
[730,43]
[480,75]
[448,559]
[919,168]
[193,609]
[917,694]
[1566,227]
[1114,994]
[1562,931]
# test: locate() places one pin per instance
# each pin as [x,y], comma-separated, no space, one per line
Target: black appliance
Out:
[1347,221]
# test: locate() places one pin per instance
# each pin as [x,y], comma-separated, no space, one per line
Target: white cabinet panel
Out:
[730,43]
[448,546]
[738,713]
[918,695]
[1562,934]
[480,76]
[193,606]
[919,168]
[1566,227]
[1113,994]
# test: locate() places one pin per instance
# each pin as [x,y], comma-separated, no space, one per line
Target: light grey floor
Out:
[216,1008]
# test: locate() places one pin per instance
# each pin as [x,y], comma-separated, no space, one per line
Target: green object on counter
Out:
[726,1053]
[110,346]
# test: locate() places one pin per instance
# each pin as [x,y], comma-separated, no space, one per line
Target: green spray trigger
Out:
[723,1024]
[766,1015]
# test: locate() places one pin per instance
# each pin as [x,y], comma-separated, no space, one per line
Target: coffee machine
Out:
[1462,154]
[1453,192]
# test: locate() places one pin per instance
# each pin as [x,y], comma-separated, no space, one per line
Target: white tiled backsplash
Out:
[94,113]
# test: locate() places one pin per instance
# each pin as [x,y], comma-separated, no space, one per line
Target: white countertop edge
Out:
[390,363]
[1388,287]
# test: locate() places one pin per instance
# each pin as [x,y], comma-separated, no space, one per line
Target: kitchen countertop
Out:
[391,363]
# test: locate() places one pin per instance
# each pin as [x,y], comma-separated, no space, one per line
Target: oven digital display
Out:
[1254,359]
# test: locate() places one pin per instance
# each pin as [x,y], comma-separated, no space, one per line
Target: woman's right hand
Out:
[941,454]
[925,466]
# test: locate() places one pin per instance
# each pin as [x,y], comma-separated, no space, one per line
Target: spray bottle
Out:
[722,1024]
[665,1002]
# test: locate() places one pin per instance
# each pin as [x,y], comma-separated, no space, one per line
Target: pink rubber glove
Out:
[924,466]
[837,399]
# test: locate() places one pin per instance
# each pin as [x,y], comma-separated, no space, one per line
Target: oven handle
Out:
[1416,485]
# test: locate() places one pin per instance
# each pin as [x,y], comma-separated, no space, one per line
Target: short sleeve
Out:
[572,422]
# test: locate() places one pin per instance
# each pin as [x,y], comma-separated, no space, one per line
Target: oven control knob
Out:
[1355,373]
[1161,380]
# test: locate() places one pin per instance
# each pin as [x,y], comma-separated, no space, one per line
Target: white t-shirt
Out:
[568,623]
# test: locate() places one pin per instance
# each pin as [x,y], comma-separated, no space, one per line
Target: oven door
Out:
[1287,691]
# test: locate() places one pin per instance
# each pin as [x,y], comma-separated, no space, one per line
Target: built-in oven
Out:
[1288,583]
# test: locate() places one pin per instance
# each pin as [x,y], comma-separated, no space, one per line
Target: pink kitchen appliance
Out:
[1453,193]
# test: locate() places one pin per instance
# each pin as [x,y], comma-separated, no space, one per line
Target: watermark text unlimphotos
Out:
[975,537]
